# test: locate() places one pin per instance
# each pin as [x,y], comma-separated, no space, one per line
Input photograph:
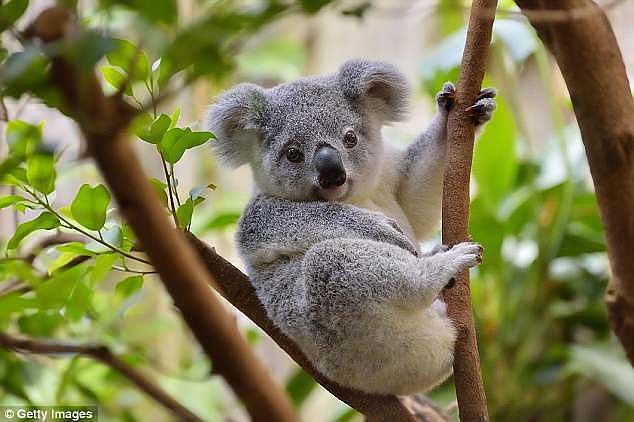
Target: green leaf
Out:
[126,55]
[313,6]
[8,167]
[184,213]
[23,138]
[44,221]
[24,71]
[40,172]
[90,205]
[159,188]
[116,78]
[11,12]
[177,140]
[79,301]
[160,11]
[9,200]
[15,176]
[41,323]
[128,286]
[54,293]
[77,248]
[103,265]
[222,220]
[61,261]
[300,386]
[175,116]
[13,303]
[156,131]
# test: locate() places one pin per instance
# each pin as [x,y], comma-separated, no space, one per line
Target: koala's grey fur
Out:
[339,270]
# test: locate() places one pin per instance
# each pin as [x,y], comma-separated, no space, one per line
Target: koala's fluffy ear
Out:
[236,120]
[378,85]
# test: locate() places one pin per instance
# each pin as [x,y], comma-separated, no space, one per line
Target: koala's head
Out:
[317,138]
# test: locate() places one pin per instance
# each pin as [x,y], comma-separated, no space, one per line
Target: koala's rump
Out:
[385,350]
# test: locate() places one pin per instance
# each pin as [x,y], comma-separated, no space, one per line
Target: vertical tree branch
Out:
[591,63]
[103,121]
[455,208]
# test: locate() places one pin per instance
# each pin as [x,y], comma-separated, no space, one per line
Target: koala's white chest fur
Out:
[382,196]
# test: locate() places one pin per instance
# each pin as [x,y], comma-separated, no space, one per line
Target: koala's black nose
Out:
[330,170]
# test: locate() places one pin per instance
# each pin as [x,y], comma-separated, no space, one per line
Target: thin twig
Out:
[169,189]
[105,356]
[131,270]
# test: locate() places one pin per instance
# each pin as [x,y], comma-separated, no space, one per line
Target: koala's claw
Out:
[446,97]
[452,282]
[485,105]
[487,93]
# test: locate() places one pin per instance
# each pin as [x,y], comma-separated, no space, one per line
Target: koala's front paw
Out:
[459,258]
[485,105]
[446,98]
[464,256]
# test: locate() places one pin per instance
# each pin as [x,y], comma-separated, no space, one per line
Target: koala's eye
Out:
[350,139]
[294,155]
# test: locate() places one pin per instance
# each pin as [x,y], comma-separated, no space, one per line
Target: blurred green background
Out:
[547,351]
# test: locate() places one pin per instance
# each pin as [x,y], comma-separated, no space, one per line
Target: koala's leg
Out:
[347,275]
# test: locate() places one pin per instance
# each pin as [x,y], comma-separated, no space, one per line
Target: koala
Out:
[330,239]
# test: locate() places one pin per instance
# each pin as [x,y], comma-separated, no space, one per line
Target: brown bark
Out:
[591,63]
[103,121]
[104,355]
[455,209]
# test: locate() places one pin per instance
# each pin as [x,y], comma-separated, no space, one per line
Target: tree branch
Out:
[602,99]
[105,356]
[104,120]
[455,209]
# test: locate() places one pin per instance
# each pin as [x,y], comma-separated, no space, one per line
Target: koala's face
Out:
[315,144]
[317,138]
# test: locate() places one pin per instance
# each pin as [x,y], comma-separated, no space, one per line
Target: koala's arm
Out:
[271,228]
[351,274]
[422,165]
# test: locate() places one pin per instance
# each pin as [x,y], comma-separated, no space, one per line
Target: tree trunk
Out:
[591,63]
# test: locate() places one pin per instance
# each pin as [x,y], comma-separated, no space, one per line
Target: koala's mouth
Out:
[336,193]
